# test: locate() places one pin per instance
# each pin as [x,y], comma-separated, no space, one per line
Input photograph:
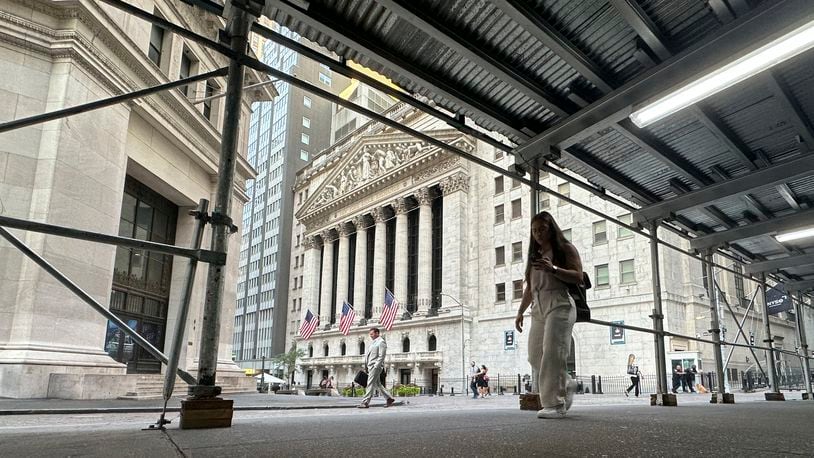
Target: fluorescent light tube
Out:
[796,235]
[763,58]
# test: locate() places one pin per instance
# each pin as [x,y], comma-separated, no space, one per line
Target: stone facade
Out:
[370,174]
[71,172]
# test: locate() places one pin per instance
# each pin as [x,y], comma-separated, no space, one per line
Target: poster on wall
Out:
[508,340]
[617,333]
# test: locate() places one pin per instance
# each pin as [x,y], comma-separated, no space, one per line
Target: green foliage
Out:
[288,361]
[359,391]
[406,390]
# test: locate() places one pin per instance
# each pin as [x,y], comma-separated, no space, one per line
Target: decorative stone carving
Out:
[454,183]
[400,205]
[436,169]
[378,214]
[343,229]
[423,196]
[328,236]
[360,222]
[310,242]
[373,162]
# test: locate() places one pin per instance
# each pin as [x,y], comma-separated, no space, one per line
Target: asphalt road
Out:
[490,427]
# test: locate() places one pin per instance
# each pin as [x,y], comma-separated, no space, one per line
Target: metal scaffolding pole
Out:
[48,267]
[770,362]
[238,32]
[715,324]
[658,319]
[801,332]
[741,332]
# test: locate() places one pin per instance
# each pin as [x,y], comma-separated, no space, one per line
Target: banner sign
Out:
[508,340]
[617,334]
[778,300]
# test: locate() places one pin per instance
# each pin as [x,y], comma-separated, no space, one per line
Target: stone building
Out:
[134,169]
[386,210]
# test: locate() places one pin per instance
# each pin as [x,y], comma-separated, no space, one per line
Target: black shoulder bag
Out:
[578,294]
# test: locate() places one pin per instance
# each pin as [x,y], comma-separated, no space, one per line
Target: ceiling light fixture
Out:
[795,235]
[763,58]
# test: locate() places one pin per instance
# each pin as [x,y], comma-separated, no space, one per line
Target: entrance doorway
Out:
[405,376]
[141,279]
[434,381]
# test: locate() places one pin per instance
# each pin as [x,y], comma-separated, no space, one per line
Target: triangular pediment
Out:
[372,161]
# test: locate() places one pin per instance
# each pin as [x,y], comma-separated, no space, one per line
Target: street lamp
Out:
[262,372]
[463,355]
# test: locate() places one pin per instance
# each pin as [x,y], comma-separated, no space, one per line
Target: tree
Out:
[288,361]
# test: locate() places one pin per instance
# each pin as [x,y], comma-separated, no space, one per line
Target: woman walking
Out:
[634,373]
[552,264]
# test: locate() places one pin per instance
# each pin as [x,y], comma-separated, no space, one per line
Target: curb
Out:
[109,410]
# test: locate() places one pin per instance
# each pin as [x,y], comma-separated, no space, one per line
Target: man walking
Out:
[374,362]
[473,372]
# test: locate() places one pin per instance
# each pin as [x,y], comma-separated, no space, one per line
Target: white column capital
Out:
[400,205]
[423,196]
[379,215]
[454,183]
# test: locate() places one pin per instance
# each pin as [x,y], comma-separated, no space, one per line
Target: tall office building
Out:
[283,135]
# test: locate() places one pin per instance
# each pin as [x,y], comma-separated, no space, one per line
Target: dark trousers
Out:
[634,383]
[689,380]
[474,387]
[676,382]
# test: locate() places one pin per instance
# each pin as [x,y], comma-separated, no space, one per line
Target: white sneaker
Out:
[570,389]
[552,412]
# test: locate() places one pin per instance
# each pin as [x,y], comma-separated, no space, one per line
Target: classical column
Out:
[311,274]
[360,266]
[379,260]
[326,291]
[455,190]
[342,269]
[424,298]
[400,266]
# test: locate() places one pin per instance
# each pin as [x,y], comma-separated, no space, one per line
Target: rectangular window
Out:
[515,183]
[305,138]
[185,71]
[623,232]
[600,233]
[517,251]
[601,275]
[324,79]
[306,122]
[306,101]
[564,189]
[545,201]
[517,290]
[500,292]
[498,154]
[626,272]
[499,214]
[207,105]
[500,256]
[303,155]
[498,185]
[566,233]
[517,209]
[156,44]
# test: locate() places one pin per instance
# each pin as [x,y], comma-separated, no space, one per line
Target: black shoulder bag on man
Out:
[578,294]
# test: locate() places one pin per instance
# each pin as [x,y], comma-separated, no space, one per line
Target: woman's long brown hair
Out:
[556,239]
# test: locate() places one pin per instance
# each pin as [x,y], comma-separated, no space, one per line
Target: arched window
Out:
[342,349]
[310,351]
[431,345]
[405,345]
[361,348]
[325,348]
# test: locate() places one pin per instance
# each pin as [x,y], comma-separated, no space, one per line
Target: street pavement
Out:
[597,425]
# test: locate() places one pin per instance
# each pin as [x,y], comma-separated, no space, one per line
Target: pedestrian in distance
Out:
[482,381]
[678,378]
[374,362]
[473,372]
[689,377]
[635,375]
[552,264]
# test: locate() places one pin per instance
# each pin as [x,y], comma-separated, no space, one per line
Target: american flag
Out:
[391,306]
[347,318]
[309,325]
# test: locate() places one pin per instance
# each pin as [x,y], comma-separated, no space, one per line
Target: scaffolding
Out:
[240,16]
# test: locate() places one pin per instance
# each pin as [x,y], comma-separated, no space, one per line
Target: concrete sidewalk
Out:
[258,401]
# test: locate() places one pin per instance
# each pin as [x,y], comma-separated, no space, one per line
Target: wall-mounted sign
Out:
[617,334]
[508,340]
[777,299]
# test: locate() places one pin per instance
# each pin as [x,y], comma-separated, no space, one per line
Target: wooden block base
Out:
[666,400]
[728,398]
[805,397]
[530,401]
[775,396]
[208,413]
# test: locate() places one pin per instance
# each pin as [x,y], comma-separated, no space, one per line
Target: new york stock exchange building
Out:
[381,209]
